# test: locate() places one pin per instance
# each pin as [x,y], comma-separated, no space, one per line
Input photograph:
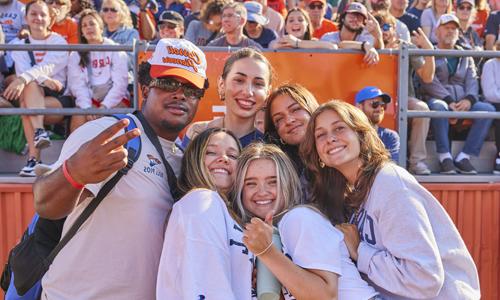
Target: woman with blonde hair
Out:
[118,26]
[266,192]
[203,255]
[431,15]
[406,244]
[244,84]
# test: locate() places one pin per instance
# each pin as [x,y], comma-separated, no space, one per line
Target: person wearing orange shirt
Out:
[63,24]
[316,10]
[278,5]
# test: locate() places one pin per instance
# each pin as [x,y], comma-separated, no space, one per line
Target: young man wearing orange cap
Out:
[115,253]
[316,10]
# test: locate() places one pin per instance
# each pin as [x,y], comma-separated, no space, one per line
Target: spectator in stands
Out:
[180,6]
[202,224]
[278,6]
[430,17]
[373,102]
[400,236]
[77,6]
[455,88]
[289,109]
[492,29]
[490,82]
[382,6]
[118,27]
[298,33]
[143,18]
[316,11]
[353,22]
[254,27]
[171,25]
[63,23]
[234,17]
[276,20]
[208,27]
[424,68]
[398,10]
[417,8]
[118,23]
[243,86]
[108,250]
[482,13]
[40,82]
[11,18]
[97,78]
[467,37]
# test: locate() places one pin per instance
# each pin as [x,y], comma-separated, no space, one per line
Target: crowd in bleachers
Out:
[38,79]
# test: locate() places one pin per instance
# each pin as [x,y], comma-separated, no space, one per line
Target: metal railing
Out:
[404,54]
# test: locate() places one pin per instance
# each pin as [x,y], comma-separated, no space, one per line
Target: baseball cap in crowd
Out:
[254,13]
[312,1]
[471,2]
[447,18]
[170,16]
[179,58]
[356,7]
[371,92]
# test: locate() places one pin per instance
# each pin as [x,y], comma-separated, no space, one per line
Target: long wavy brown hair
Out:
[331,191]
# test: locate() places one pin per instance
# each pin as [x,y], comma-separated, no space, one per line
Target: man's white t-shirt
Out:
[311,242]
[116,252]
[203,254]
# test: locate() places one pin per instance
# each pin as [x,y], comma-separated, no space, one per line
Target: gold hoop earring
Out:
[321,164]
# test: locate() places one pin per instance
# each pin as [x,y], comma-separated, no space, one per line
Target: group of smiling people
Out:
[353,225]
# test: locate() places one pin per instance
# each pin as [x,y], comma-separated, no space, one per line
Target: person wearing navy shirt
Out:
[373,102]
[398,10]
[254,27]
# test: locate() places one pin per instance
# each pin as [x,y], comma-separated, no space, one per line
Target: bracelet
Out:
[265,250]
[70,179]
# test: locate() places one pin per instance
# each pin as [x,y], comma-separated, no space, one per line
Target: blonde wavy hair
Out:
[123,12]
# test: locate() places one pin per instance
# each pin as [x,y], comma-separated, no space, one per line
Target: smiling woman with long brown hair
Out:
[400,236]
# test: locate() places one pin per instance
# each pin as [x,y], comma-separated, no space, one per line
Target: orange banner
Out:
[326,75]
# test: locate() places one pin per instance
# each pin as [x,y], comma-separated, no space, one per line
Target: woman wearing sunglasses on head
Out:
[314,262]
[401,238]
[97,78]
[203,255]
[243,86]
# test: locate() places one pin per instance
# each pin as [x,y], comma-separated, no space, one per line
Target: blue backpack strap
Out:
[133,146]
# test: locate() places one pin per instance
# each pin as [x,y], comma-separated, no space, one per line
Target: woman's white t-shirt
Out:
[203,254]
[312,242]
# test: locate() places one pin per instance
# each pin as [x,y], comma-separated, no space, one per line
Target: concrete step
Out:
[12,163]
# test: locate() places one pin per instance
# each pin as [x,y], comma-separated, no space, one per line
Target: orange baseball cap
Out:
[179,58]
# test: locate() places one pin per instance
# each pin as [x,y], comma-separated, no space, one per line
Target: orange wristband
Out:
[70,179]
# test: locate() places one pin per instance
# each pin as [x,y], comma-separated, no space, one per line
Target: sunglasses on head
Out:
[167,25]
[376,104]
[171,85]
[386,27]
[109,9]
[465,7]
[316,6]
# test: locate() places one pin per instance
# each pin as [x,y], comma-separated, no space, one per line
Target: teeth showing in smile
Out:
[220,171]
[263,202]
[335,150]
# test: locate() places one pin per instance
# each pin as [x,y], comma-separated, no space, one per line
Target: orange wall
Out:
[475,209]
[327,76]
